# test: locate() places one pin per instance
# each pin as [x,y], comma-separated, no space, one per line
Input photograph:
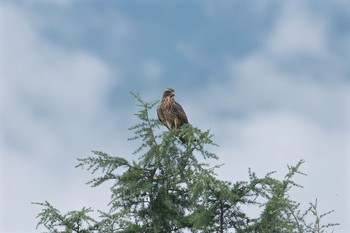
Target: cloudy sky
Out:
[271,79]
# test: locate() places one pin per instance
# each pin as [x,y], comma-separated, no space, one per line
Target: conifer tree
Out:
[169,189]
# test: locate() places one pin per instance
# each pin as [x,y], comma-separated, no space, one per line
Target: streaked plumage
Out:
[169,112]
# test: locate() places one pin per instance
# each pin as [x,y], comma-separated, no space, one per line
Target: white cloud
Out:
[278,108]
[53,106]
[297,32]
[28,180]
[268,141]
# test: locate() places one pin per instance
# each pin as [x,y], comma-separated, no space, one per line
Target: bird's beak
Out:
[173,93]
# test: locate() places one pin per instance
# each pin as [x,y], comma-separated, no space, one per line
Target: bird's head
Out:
[169,92]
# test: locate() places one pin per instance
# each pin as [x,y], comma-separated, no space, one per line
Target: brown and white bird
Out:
[170,113]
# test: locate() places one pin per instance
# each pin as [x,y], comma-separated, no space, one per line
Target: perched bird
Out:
[170,113]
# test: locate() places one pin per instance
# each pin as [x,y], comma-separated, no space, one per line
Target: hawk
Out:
[170,113]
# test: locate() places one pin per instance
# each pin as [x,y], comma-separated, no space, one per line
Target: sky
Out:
[270,79]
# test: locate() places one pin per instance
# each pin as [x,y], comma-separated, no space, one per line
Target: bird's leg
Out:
[168,124]
[176,124]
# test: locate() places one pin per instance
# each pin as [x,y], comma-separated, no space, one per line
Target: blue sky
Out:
[269,78]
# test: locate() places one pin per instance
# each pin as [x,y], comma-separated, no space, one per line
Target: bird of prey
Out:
[170,113]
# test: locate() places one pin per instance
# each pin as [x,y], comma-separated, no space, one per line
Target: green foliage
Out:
[73,221]
[168,189]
